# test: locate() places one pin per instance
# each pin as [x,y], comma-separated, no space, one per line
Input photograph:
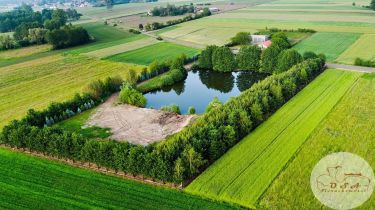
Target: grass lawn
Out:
[75,124]
[350,127]
[330,44]
[105,36]
[28,182]
[34,84]
[162,51]
[243,174]
[363,48]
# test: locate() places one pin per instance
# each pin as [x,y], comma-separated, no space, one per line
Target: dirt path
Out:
[137,125]
[351,68]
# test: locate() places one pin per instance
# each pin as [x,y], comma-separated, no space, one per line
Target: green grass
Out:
[105,36]
[33,183]
[36,83]
[363,48]
[162,51]
[350,127]
[75,124]
[330,44]
[243,174]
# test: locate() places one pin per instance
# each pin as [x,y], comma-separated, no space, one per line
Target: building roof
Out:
[267,43]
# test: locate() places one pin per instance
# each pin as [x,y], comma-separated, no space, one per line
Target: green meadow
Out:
[162,51]
[245,172]
[34,183]
[349,127]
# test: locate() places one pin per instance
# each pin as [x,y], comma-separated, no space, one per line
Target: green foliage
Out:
[269,59]
[372,4]
[205,58]
[191,110]
[172,10]
[241,38]
[7,42]
[287,59]
[129,95]
[171,108]
[309,55]
[67,37]
[281,43]
[215,103]
[166,79]
[223,60]
[362,62]
[249,58]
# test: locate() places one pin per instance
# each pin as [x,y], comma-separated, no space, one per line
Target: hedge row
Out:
[185,154]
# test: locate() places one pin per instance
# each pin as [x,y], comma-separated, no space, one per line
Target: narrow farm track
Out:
[351,68]
[245,172]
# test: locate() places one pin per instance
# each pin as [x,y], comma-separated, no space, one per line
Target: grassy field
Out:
[331,44]
[363,48]
[34,84]
[161,51]
[349,127]
[243,174]
[23,52]
[105,36]
[28,182]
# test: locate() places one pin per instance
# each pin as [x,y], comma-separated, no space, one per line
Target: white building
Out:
[258,39]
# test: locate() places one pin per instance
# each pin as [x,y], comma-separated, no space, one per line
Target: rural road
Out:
[351,68]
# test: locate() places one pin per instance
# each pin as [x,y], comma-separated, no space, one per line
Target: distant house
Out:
[262,41]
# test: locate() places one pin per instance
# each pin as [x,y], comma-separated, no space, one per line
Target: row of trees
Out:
[157,25]
[172,10]
[363,62]
[182,155]
[275,59]
[67,36]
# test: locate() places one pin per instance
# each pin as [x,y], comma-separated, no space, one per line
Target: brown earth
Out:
[137,125]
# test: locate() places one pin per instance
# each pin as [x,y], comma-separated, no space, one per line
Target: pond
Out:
[200,88]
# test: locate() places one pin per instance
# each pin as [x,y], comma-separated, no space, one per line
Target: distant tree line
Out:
[157,25]
[275,59]
[40,27]
[172,10]
[181,156]
[363,62]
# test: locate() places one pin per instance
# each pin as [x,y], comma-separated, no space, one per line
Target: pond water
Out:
[200,88]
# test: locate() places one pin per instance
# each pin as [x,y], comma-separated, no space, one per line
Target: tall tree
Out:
[269,59]
[241,38]
[205,58]
[223,60]
[249,58]
[287,59]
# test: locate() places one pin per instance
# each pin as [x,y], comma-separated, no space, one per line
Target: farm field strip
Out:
[121,48]
[330,44]
[349,127]
[161,51]
[22,185]
[34,84]
[272,144]
[363,48]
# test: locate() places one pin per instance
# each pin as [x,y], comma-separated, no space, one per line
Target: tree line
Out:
[172,10]
[181,156]
[275,59]
[50,26]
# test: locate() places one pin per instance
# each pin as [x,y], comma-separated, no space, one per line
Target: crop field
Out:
[162,51]
[349,127]
[363,48]
[35,183]
[331,44]
[34,84]
[243,174]
[323,16]
[105,36]
[22,52]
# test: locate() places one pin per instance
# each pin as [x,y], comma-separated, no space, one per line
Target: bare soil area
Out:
[137,125]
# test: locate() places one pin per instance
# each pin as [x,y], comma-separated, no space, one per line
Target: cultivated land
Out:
[349,127]
[330,44]
[162,51]
[34,84]
[23,52]
[34,183]
[243,174]
[363,48]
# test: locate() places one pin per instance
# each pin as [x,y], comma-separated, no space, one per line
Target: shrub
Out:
[309,55]
[67,37]
[171,108]
[361,62]
[249,58]
[129,95]
[241,38]
[191,110]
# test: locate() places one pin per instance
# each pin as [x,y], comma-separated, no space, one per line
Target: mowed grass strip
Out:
[329,43]
[28,182]
[25,51]
[162,51]
[245,172]
[350,127]
[363,48]
[34,84]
